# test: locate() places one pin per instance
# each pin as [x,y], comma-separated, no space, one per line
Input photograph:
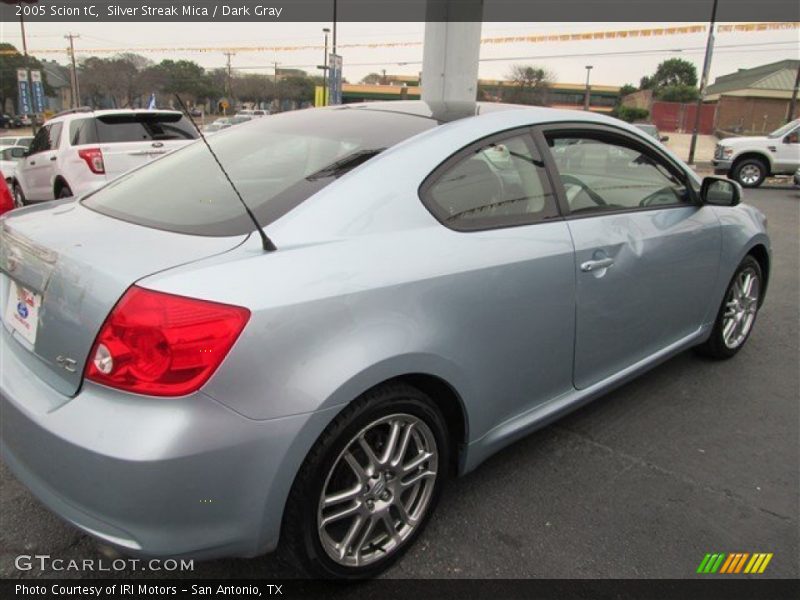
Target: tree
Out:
[531,84]
[673,71]
[372,79]
[627,89]
[678,93]
[9,63]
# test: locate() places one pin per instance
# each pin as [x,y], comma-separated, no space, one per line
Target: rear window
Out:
[131,127]
[276,163]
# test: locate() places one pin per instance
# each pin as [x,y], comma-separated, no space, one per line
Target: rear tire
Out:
[63,192]
[737,315]
[750,172]
[388,504]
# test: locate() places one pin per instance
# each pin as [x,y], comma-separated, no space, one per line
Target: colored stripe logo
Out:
[734,563]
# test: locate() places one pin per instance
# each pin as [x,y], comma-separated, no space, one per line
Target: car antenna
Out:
[266,243]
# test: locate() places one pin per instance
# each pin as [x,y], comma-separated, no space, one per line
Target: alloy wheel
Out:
[378,490]
[740,308]
[19,198]
[749,174]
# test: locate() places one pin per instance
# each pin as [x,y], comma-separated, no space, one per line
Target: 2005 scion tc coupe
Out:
[433,282]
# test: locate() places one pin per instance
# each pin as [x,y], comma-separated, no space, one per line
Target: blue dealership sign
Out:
[24,92]
[37,85]
[334,79]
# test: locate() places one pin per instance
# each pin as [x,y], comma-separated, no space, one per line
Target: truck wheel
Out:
[750,172]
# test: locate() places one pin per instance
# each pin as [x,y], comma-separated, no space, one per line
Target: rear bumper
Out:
[154,477]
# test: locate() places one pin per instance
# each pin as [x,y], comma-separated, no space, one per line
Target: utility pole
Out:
[326,31]
[27,66]
[277,96]
[703,82]
[229,92]
[76,92]
[333,43]
[793,103]
[588,89]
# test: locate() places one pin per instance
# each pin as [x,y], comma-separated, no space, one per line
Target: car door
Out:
[511,298]
[646,250]
[787,152]
[34,169]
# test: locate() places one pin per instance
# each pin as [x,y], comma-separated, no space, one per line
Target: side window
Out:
[82,131]
[793,137]
[602,173]
[41,141]
[55,135]
[493,185]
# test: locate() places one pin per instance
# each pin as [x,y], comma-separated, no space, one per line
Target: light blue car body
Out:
[500,326]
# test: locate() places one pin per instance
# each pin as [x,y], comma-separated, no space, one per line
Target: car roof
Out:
[82,114]
[446,112]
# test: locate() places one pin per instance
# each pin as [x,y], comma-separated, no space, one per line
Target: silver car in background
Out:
[433,284]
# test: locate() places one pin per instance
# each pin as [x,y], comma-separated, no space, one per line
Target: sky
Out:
[632,58]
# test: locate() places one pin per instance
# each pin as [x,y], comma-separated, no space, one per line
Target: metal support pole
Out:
[588,89]
[703,82]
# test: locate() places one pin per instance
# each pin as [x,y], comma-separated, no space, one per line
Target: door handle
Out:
[33,162]
[53,158]
[596,265]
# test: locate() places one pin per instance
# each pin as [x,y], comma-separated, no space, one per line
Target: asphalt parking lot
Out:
[693,457]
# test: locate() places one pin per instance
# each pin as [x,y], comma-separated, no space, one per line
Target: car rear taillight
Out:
[163,345]
[94,159]
[6,201]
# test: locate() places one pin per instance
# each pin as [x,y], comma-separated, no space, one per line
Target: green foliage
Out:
[631,113]
[677,93]
[627,89]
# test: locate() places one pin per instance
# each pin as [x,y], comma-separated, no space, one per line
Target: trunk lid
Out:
[79,263]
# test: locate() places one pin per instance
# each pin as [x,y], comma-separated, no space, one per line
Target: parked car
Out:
[218,125]
[80,150]
[405,299]
[651,130]
[10,140]
[797,176]
[196,112]
[751,159]
[252,113]
[7,121]
[239,119]
[6,200]
[9,157]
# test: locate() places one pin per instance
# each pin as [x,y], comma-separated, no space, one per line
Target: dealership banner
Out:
[394,10]
[37,92]
[23,92]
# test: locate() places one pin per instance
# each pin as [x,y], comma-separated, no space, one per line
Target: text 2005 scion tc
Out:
[432,285]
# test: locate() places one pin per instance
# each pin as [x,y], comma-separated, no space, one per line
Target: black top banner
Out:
[398,10]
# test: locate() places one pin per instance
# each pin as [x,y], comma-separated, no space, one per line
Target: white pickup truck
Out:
[749,160]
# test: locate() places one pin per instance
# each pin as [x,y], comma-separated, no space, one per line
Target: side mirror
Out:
[720,191]
[19,153]
[792,138]
[664,138]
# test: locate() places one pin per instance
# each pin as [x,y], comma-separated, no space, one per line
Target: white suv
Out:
[77,151]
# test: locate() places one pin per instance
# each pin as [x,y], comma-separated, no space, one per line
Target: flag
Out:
[152,104]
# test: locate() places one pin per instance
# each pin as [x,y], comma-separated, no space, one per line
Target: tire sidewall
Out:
[717,338]
[750,161]
[409,402]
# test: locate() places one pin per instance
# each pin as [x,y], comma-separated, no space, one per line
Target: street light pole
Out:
[586,94]
[703,82]
[326,30]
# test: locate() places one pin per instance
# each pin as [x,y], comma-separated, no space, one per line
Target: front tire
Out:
[369,485]
[750,172]
[19,196]
[64,192]
[737,315]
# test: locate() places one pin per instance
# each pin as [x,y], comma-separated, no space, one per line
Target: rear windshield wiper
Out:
[343,165]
